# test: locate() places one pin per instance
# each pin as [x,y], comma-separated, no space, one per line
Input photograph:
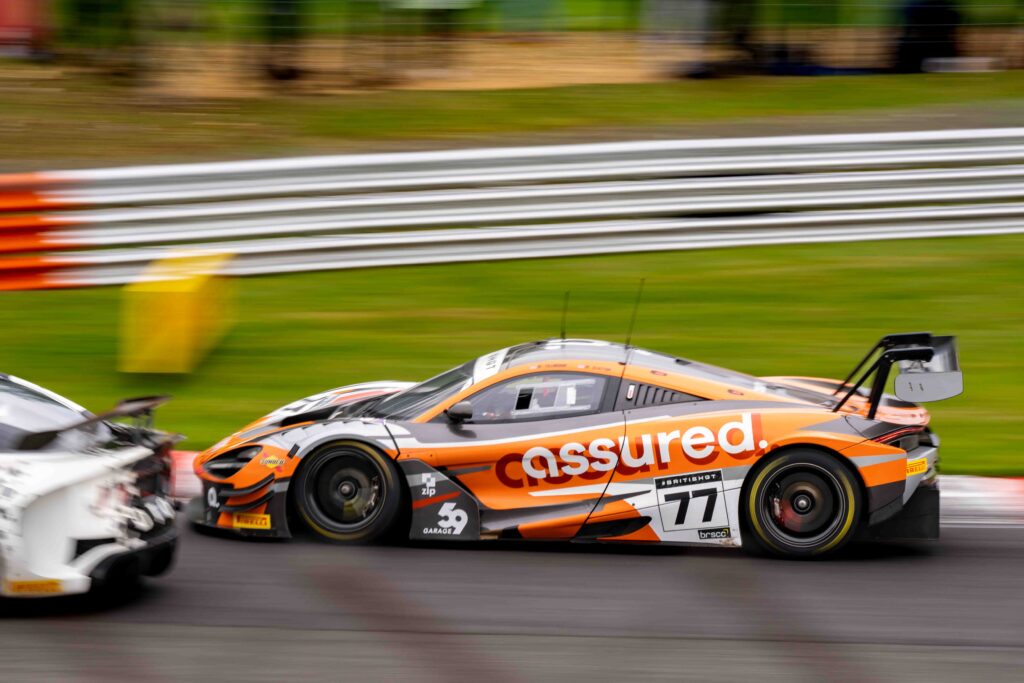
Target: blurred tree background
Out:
[389,42]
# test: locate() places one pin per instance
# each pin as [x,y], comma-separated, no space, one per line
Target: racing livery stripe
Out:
[601,422]
[416,505]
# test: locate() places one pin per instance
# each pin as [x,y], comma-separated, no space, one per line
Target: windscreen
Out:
[26,408]
[417,399]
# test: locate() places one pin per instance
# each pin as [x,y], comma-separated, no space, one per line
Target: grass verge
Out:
[80,121]
[808,309]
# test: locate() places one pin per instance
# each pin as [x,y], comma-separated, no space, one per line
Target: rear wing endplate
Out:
[929,370]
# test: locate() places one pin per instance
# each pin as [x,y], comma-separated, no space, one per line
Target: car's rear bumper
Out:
[153,559]
[887,500]
[918,520]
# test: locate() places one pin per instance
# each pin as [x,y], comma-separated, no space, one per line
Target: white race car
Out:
[83,499]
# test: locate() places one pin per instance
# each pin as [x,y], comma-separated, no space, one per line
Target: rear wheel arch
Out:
[842,459]
[747,533]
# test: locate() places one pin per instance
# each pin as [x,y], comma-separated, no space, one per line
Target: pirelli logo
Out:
[919,466]
[243,520]
[45,587]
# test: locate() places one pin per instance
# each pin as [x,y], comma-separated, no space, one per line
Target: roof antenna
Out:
[636,307]
[565,311]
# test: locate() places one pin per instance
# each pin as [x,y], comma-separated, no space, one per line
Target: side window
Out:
[532,397]
[640,395]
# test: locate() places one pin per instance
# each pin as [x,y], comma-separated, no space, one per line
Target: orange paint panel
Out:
[243,436]
[607,369]
[249,497]
[642,535]
[564,528]
[884,473]
[831,440]
[226,519]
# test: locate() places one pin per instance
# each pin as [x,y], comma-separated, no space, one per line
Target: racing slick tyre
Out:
[802,503]
[349,492]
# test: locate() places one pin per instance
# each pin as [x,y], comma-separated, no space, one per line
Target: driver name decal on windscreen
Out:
[488,366]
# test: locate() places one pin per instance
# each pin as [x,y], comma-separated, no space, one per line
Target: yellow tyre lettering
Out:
[851,512]
[753,503]
[851,515]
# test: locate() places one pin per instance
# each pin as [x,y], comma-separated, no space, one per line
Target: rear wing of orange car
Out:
[929,370]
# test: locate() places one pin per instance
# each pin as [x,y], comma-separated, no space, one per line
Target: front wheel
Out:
[349,492]
[802,503]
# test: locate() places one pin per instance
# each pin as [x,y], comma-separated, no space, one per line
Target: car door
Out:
[682,466]
[535,457]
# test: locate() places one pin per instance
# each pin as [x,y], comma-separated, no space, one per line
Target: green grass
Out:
[810,309]
[82,121]
[432,113]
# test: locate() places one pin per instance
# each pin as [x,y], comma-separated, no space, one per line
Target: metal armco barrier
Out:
[103,226]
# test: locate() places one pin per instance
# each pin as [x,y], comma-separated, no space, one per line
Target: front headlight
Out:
[230,462]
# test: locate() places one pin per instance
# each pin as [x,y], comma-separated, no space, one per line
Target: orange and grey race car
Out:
[585,440]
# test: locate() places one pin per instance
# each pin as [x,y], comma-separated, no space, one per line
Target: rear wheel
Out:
[349,492]
[802,503]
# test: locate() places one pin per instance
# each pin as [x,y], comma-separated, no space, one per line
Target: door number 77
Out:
[684,498]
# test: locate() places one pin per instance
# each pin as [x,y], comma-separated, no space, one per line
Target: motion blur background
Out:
[100,83]
[111,83]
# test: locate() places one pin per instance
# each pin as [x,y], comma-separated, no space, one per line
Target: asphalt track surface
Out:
[305,610]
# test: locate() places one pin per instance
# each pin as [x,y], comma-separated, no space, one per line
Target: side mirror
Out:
[460,412]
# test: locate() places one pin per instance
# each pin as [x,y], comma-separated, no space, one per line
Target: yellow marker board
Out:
[177,311]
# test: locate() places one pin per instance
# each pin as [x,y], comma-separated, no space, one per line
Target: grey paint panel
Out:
[441,509]
[434,433]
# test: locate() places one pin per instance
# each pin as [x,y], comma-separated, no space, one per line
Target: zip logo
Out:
[429,485]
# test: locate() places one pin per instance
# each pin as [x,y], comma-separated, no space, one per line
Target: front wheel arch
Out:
[295,513]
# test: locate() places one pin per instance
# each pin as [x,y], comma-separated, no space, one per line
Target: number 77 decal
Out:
[679,499]
[684,503]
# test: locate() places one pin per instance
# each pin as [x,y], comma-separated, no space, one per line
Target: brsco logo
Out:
[738,438]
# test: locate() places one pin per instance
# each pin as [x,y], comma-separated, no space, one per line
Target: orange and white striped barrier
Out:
[103,226]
